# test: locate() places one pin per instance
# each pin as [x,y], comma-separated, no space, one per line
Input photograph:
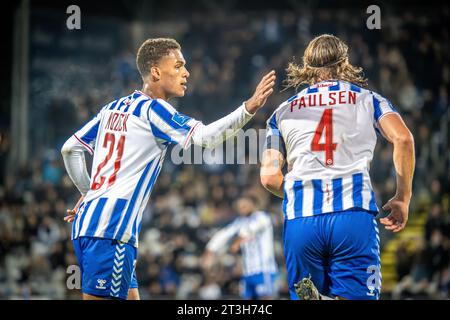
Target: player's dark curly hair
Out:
[325,58]
[151,51]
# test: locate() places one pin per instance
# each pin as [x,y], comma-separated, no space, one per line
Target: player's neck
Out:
[152,92]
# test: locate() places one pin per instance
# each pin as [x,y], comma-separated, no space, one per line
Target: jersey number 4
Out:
[109,141]
[325,124]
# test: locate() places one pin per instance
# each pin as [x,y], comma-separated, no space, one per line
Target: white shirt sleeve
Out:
[211,135]
[381,107]
[73,156]
[73,153]
[171,126]
[222,237]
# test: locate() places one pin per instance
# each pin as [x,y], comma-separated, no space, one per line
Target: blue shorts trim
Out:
[107,266]
[340,251]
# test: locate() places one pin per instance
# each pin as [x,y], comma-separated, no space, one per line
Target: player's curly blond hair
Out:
[325,58]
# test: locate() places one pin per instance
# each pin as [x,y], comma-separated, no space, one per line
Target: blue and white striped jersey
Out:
[328,133]
[258,254]
[130,137]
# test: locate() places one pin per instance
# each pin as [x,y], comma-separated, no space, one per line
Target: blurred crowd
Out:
[407,61]
[423,262]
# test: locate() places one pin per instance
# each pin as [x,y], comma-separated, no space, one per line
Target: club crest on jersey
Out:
[180,119]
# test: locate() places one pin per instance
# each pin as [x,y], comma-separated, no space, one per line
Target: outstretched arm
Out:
[213,134]
[219,241]
[221,238]
[395,131]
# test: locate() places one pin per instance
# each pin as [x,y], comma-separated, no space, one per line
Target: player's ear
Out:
[155,73]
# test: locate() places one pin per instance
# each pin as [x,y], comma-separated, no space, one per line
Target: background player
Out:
[130,137]
[252,233]
[327,135]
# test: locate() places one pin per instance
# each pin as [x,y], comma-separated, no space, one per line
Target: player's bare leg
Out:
[133,294]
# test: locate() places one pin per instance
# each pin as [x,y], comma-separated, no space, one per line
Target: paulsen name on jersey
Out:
[323,99]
